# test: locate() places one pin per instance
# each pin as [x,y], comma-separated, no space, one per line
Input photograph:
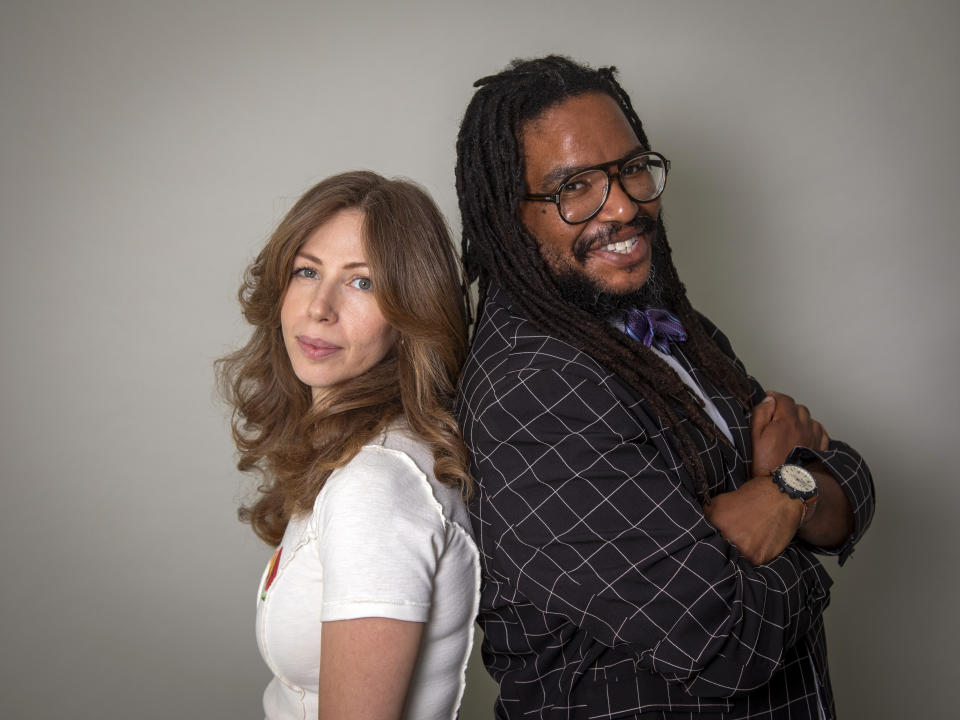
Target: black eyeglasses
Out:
[582,195]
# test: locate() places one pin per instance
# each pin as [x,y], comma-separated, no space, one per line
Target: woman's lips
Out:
[315,348]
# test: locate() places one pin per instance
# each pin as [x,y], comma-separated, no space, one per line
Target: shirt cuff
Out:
[411,612]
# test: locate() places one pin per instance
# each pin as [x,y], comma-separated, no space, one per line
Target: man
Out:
[643,552]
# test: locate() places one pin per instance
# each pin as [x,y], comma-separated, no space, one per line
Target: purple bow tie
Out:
[655,326]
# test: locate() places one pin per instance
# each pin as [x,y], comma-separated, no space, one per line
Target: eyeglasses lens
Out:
[582,195]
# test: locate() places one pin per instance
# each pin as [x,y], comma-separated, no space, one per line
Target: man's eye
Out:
[635,169]
[362,283]
[585,183]
[306,272]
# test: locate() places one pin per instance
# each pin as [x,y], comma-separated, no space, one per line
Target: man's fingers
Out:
[762,415]
[786,405]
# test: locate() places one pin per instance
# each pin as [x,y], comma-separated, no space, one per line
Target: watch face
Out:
[797,478]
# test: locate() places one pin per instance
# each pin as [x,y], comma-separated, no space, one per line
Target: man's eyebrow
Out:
[559,174]
[318,261]
[556,176]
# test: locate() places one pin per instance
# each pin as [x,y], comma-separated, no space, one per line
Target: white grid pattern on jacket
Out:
[606,593]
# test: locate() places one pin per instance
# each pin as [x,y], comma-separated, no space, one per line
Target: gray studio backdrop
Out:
[148,148]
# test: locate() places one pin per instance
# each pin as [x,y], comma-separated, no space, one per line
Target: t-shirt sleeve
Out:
[380,533]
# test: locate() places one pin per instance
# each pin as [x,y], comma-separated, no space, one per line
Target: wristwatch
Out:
[797,482]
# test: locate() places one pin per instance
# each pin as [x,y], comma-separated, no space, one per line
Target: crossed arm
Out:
[759,519]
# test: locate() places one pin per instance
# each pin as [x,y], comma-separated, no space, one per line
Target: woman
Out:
[342,401]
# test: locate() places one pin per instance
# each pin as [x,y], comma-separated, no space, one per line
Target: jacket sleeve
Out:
[853,475]
[587,518]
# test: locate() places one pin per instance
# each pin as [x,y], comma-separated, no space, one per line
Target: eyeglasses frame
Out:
[555,197]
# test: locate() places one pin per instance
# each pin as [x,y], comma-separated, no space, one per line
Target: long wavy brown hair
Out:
[293,443]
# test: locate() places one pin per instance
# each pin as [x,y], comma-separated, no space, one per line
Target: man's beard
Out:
[578,289]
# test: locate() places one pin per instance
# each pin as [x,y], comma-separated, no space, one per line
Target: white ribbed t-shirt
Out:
[385,539]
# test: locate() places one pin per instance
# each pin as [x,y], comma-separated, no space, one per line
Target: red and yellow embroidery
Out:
[271,572]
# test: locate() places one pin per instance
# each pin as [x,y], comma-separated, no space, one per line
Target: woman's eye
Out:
[361,283]
[306,272]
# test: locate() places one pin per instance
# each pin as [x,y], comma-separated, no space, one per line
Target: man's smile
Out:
[633,250]
[628,242]
[623,246]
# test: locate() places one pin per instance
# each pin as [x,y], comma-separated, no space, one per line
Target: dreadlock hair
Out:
[496,246]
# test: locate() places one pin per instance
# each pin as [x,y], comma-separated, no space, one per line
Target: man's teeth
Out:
[622,247]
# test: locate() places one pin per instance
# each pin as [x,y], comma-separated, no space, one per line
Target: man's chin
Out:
[636,286]
[596,298]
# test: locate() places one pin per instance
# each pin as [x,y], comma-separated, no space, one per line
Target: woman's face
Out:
[333,329]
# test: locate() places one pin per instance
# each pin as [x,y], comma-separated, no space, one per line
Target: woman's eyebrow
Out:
[318,261]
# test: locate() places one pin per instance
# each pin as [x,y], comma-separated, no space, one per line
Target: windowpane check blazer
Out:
[606,592]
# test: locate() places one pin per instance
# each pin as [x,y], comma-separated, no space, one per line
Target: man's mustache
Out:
[642,223]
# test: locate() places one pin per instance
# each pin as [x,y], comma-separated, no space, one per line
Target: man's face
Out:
[613,250]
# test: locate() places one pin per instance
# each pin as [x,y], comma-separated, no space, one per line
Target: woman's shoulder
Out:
[393,471]
[400,441]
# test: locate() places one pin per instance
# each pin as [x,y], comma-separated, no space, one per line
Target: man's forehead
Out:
[581,131]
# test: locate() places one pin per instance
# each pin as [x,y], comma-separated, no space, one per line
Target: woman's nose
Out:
[322,306]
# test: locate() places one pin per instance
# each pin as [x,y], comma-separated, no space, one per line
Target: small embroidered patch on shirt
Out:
[271,572]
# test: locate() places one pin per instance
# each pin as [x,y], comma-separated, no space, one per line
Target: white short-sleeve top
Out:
[385,539]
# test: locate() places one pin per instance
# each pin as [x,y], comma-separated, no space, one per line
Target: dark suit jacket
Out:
[606,592]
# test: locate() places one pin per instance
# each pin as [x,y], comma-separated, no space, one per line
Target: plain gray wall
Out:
[148,148]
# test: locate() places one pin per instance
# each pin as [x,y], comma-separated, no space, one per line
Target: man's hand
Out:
[778,425]
[757,518]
